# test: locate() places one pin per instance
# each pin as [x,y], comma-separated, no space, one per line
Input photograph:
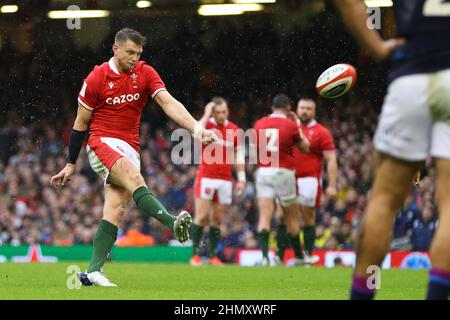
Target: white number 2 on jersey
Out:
[272,135]
[436,8]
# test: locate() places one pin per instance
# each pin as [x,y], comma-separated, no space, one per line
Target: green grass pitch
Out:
[177,281]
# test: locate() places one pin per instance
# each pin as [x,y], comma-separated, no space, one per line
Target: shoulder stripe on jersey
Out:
[158,91]
[85,105]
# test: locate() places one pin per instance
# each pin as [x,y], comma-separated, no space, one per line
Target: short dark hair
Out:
[307,98]
[219,100]
[281,101]
[126,33]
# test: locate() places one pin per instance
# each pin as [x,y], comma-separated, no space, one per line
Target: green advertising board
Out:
[43,253]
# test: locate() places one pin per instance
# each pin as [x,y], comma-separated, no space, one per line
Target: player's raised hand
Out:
[292,116]
[63,176]
[209,108]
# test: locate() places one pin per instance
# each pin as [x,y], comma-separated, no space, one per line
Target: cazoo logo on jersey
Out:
[123,98]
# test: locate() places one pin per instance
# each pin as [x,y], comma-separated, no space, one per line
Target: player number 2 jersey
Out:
[280,137]
[117,99]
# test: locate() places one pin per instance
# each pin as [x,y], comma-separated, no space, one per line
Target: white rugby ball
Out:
[336,81]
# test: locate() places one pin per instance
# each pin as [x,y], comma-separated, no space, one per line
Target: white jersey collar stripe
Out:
[213,121]
[113,66]
[312,123]
[277,115]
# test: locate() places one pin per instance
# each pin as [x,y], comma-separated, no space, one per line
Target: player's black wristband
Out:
[75,143]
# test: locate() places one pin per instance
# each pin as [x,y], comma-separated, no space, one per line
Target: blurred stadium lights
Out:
[228,9]
[70,14]
[379,3]
[143,4]
[253,1]
[9,9]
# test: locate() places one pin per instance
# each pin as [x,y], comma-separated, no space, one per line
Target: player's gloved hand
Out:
[63,176]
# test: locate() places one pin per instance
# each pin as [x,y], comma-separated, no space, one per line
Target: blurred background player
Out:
[110,104]
[277,136]
[214,181]
[413,125]
[308,172]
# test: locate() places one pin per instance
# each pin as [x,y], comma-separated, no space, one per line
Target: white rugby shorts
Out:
[217,190]
[104,152]
[309,190]
[276,183]
[415,119]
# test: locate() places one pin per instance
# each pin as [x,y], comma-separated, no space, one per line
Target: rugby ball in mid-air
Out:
[336,81]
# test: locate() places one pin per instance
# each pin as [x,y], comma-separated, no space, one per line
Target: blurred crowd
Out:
[32,211]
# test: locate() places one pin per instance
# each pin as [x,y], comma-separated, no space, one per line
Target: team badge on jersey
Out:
[134,77]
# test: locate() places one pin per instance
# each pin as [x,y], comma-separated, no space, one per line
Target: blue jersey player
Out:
[414,124]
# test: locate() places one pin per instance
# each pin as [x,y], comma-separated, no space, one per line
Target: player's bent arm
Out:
[176,111]
[83,118]
[304,144]
[332,167]
[239,164]
[78,133]
[204,119]
[354,14]
[77,137]
[207,114]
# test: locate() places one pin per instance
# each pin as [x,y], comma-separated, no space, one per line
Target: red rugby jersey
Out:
[280,137]
[219,166]
[309,164]
[117,99]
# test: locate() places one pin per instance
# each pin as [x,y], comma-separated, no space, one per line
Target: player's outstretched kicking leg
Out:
[125,173]
[104,241]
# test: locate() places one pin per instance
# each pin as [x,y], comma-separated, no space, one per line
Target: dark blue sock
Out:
[438,284]
[360,291]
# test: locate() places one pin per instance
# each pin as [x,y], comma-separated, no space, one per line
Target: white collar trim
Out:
[312,123]
[277,115]
[113,66]
[213,120]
